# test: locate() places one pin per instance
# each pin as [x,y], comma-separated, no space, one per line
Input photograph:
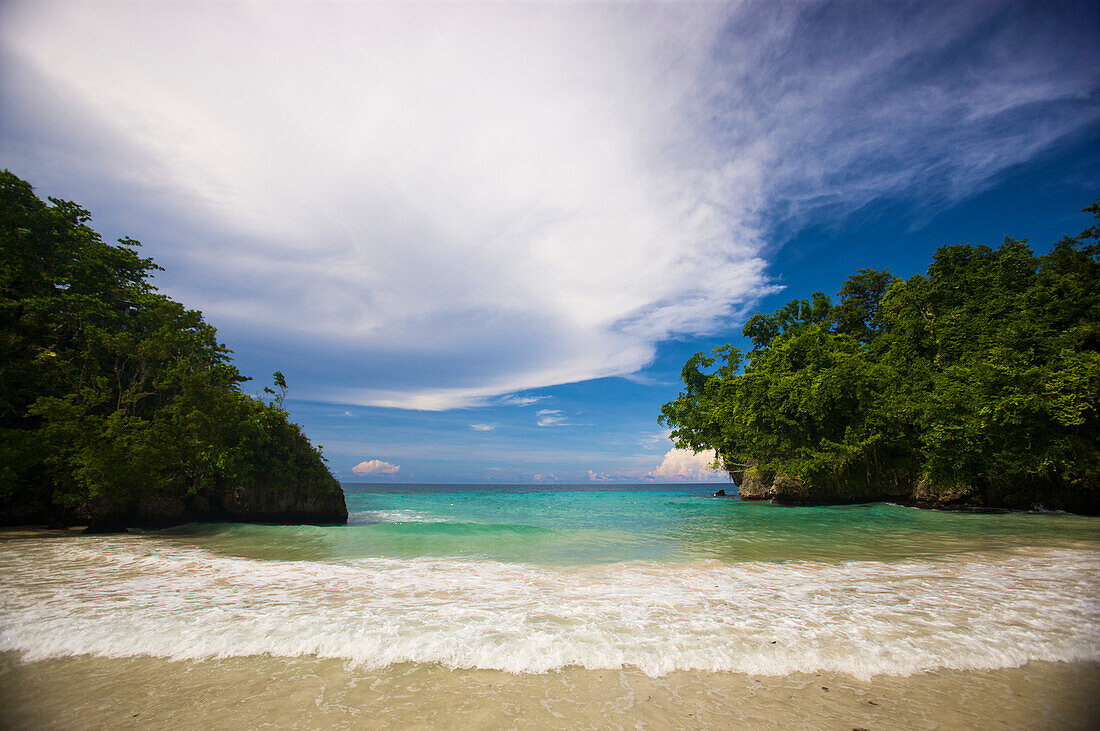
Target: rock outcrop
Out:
[316,500]
[755,483]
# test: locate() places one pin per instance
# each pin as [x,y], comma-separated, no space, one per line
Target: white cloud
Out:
[483,427]
[683,465]
[545,477]
[499,186]
[375,467]
[509,195]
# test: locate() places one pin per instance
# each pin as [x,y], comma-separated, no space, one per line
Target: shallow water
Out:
[575,528]
[642,583]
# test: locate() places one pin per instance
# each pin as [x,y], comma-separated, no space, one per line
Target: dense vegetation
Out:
[113,395]
[977,381]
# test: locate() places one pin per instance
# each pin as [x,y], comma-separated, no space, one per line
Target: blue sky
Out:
[480,240]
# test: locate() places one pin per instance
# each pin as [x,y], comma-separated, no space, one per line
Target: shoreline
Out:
[87,691]
[368,628]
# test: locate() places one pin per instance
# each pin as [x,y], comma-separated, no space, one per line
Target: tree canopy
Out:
[110,391]
[981,373]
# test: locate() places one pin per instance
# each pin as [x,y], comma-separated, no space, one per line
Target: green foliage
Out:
[984,372]
[110,390]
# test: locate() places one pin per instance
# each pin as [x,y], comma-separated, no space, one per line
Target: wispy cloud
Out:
[483,427]
[551,417]
[512,195]
[846,103]
[520,400]
[655,440]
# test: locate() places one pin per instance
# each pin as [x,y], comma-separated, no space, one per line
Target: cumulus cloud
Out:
[683,465]
[509,195]
[375,467]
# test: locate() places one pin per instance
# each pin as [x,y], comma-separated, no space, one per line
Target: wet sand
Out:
[247,692]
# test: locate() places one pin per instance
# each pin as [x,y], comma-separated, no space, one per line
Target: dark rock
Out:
[720,493]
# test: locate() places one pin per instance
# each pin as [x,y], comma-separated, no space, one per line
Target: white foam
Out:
[370,517]
[140,595]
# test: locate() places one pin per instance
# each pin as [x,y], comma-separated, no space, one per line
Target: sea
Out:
[567,606]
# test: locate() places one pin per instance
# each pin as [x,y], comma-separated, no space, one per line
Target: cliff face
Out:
[297,504]
[1022,494]
[316,499]
[312,501]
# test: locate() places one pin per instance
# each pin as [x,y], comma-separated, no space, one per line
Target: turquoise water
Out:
[526,579]
[583,526]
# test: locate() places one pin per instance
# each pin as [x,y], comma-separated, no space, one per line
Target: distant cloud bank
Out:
[678,465]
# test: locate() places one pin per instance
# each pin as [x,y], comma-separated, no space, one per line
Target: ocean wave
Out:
[138,595]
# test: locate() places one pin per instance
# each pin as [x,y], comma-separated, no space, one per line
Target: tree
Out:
[110,392]
[982,375]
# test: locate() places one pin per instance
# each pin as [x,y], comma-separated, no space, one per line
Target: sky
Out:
[481,240]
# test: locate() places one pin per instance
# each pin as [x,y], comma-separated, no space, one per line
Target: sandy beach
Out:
[87,692]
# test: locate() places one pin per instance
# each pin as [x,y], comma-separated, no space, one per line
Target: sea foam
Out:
[373,517]
[139,595]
